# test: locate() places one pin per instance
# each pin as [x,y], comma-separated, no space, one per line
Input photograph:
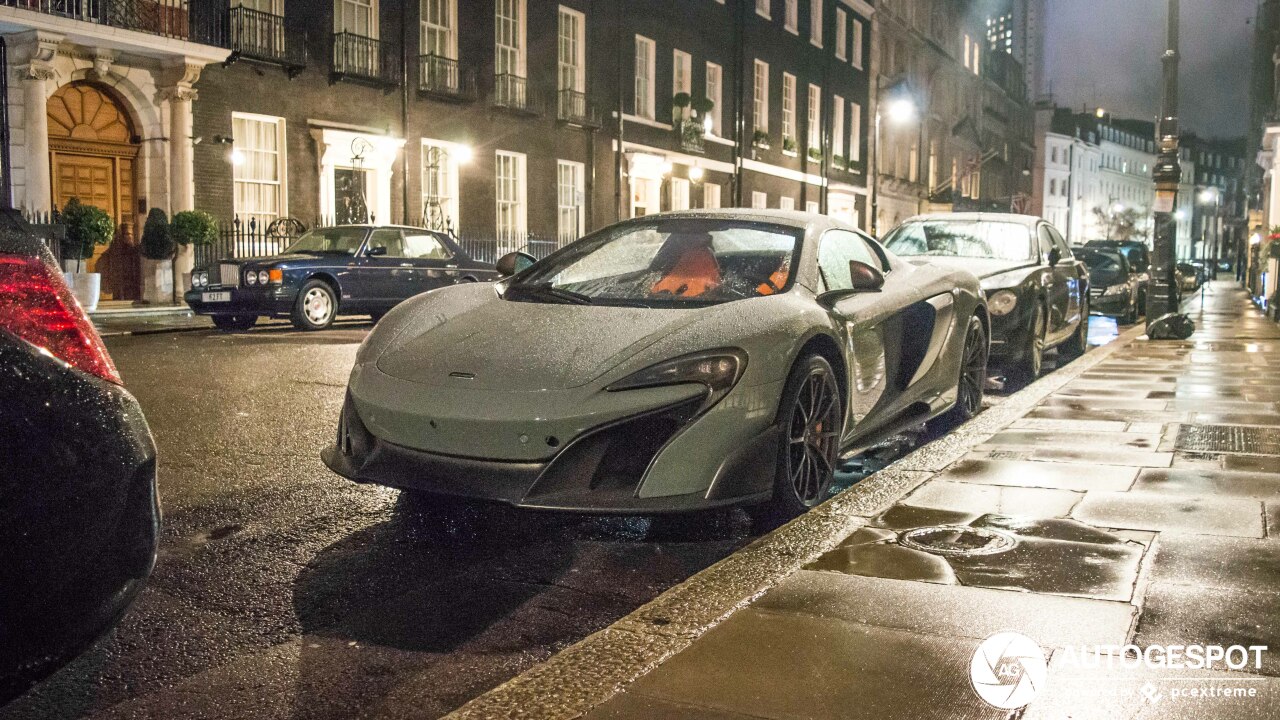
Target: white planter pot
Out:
[184,262]
[157,281]
[86,287]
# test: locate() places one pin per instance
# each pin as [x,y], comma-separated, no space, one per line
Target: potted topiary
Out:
[191,228]
[815,154]
[157,253]
[87,227]
[679,106]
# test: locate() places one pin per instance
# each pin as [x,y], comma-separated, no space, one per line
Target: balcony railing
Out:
[364,59]
[512,92]
[443,78]
[201,22]
[692,136]
[258,35]
[573,108]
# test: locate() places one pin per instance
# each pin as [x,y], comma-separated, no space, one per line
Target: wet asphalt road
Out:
[284,591]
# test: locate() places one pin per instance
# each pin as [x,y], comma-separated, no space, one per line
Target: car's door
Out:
[1055,287]
[1072,275]
[387,276]
[433,261]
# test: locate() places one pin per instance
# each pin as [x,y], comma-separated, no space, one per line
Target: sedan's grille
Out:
[229,274]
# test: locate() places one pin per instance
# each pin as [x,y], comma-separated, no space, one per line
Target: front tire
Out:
[811,421]
[1029,367]
[316,306]
[1079,342]
[973,377]
[234,323]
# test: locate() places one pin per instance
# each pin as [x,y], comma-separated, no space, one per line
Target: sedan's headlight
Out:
[198,280]
[251,278]
[1002,302]
[263,277]
[718,370]
[1116,290]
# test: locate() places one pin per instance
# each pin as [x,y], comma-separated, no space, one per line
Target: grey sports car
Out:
[669,363]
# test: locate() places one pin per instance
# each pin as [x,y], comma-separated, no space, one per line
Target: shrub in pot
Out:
[157,251]
[87,227]
[191,228]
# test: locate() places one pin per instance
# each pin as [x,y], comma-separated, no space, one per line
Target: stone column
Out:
[182,190]
[39,184]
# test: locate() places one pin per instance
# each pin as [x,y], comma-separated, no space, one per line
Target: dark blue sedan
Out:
[342,270]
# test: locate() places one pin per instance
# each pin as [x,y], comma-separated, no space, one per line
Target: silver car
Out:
[668,363]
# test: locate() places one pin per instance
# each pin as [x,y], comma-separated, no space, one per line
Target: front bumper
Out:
[272,300]
[1009,339]
[1109,305]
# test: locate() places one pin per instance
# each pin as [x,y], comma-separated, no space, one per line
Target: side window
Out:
[424,246]
[389,240]
[835,251]
[1060,243]
[1046,243]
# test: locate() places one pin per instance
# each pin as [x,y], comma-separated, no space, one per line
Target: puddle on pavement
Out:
[1050,556]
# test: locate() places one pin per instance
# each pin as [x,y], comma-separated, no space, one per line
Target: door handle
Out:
[406,265]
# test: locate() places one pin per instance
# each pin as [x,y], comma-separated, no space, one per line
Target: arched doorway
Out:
[93,148]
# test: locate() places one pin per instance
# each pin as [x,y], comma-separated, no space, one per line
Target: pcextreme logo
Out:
[1007,670]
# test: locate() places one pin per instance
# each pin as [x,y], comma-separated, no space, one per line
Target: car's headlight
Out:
[263,277]
[718,370]
[197,280]
[1002,302]
[251,278]
[1116,290]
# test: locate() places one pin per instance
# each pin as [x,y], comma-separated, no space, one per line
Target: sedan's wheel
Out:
[811,418]
[315,307]
[1032,362]
[973,377]
[231,323]
[1079,342]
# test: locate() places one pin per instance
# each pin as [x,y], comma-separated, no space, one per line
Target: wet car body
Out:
[1139,257]
[1047,282]
[1114,284]
[469,391]
[379,271]
[79,517]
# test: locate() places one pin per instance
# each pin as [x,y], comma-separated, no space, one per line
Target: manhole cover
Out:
[1234,439]
[957,540]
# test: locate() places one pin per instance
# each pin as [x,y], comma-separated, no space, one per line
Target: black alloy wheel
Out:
[1031,364]
[1079,341]
[811,420]
[972,385]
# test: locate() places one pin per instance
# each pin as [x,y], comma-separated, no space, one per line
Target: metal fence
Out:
[248,239]
[488,248]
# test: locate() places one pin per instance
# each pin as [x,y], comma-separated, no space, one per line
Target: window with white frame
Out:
[812,206]
[513,211]
[855,53]
[259,176]
[762,8]
[788,108]
[679,194]
[710,196]
[760,97]
[815,22]
[358,17]
[439,185]
[791,18]
[855,132]
[572,51]
[439,32]
[759,200]
[644,89]
[570,198]
[786,203]
[837,126]
[681,82]
[509,39]
[815,117]
[714,83]
[842,34]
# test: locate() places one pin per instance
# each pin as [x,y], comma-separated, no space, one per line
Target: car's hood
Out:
[1106,278]
[495,344]
[981,267]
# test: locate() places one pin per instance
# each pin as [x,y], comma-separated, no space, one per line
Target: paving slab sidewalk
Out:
[1120,511]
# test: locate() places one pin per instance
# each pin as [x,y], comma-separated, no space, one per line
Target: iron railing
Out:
[691,135]
[442,77]
[574,108]
[201,22]
[246,239]
[363,58]
[258,35]
[512,92]
[488,248]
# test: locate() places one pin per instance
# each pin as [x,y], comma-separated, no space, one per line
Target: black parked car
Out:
[342,270]
[1114,284]
[1037,292]
[78,511]
[1139,257]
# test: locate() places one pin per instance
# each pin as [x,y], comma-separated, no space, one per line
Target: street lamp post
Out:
[901,110]
[1163,320]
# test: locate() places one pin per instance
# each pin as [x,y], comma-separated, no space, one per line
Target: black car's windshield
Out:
[329,241]
[962,238]
[667,262]
[1103,263]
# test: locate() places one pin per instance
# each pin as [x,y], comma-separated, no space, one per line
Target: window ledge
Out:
[648,121]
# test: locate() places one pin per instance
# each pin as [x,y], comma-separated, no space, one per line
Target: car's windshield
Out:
[1101,261]
[962,238]
[329,241]
[671,262]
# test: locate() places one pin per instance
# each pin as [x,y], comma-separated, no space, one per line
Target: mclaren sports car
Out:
[669,363]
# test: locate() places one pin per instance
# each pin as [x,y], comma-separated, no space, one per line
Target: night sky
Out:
[1107,53]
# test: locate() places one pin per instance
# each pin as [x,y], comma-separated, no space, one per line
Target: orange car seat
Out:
[773,283]
[694,272]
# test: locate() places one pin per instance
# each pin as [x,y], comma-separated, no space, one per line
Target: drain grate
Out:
[1233,439]
[957,540]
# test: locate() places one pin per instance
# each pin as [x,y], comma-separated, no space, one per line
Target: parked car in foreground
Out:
[341,270]
[78,511]
[668,363]
[1113,284]
[1037,291]
[1139,257]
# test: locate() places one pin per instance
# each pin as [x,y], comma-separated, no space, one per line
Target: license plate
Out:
[215,297]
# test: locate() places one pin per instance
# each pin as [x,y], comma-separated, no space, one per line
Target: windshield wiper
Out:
[547,290]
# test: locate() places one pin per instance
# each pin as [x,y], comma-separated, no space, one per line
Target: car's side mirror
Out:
[863,278]
[1055,257]
[514,262]
[377,251]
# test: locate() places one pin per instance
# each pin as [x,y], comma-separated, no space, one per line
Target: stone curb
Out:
[596,668]
[149,331]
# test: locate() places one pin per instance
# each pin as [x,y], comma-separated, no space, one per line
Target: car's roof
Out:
[794,218]
[1028,220]
[374,226]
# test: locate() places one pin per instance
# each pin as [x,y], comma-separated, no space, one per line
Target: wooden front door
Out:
[92,156]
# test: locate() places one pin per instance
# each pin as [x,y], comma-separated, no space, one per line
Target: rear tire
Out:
[234,323]
[973,377]
[1030,365]
[811,422]
[316,306]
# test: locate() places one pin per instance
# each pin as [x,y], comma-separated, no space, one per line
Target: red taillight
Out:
[37,306]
